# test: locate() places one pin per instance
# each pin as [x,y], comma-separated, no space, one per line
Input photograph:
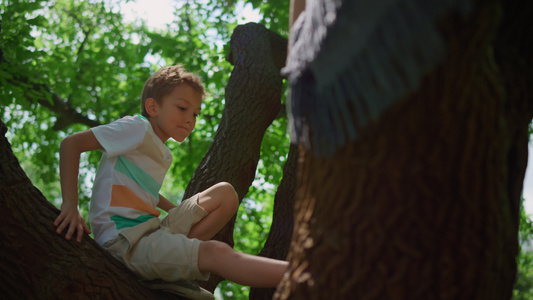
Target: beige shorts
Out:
[161,249]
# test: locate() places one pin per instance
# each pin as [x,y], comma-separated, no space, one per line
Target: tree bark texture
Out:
[425,205]
[279,238]
[253,99]
[39,264]
[513,47]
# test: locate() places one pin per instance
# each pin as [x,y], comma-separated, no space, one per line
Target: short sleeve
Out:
[120,136]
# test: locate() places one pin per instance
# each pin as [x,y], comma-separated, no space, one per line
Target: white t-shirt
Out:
[129,177]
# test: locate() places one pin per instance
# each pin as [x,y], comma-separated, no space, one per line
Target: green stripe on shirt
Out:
[123,222]
[143,179]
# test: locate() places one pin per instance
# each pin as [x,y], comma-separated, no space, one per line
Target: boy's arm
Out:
[69,162]
[165,204]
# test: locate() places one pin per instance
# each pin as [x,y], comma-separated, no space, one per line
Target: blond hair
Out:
[165,80]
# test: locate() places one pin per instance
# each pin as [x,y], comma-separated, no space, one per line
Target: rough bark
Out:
[279,238]
[513,47]
[425,204]
[39,264]
[253,99]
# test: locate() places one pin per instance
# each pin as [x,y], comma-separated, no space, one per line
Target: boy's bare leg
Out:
[221,202]
[241,268]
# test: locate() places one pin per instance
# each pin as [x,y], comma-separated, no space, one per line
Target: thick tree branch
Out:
[279,238]
[252,101]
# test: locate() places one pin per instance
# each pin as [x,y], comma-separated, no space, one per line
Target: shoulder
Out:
[121,135]
[135,124]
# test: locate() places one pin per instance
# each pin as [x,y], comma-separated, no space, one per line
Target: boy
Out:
[123,210]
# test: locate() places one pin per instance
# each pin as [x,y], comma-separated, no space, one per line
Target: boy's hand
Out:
[71,218]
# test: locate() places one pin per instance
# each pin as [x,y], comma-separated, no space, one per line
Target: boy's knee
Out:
[215,248]
[211,253]
[226,187]
[230,195]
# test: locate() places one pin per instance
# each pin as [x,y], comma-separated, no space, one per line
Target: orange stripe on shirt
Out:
[121,196]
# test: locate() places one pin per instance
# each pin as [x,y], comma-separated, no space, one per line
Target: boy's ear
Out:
[151,107]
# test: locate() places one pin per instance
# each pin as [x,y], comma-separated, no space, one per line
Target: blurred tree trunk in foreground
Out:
[425,205]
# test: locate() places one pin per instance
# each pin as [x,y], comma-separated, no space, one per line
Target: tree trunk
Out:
[425,204]
[253,99]
[279,238]
[513,47]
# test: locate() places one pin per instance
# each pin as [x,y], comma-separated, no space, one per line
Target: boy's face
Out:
[176,116]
